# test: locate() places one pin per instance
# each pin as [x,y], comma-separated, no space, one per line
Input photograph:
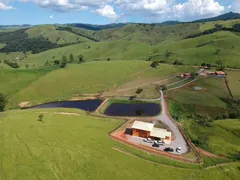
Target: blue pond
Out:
[87,105]
[142,109]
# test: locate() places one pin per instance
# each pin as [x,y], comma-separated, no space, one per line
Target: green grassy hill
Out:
[13,81]
[202,49]
[59,37]
[86,78]
[63,145]
[139,42]
[115,50]
[150,34]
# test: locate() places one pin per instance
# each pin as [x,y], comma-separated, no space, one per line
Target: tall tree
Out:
[63,62]
[80,59]
[71,58]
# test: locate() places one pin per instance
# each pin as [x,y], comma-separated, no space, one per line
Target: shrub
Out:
[154,64]
[139,90]
[40,117]
[3,102]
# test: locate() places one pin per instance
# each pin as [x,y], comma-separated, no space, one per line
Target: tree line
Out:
[218,27]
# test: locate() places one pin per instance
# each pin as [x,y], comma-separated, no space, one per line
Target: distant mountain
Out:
[94,27]
[168,23]
[227,16]
[14,26]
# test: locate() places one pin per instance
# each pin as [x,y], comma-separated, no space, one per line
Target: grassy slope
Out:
[77,147]
[92,77]
[215,89]
[50,32]
[2,45]
[187,50]
[12,80]
[223,136]
[234,82]
[147,33]
[211,25]
[118,50]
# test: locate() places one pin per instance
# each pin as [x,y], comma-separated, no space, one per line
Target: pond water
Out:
[87,105]
[143,109]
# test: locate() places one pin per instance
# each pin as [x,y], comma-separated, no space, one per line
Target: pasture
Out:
[233,78]
[219,137]
[89,78]
[213,90]
[77,146]
[56,36]
[13,81]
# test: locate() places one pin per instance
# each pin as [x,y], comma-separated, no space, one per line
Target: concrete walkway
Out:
[179,140]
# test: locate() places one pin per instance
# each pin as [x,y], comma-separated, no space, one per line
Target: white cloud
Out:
[107,11]
[69,5]
[3,6]
[196,8]
[236,6]
[166,9]
[143,5]
[51,17]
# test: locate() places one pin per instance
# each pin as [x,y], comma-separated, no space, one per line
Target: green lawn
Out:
[233,78]
[78,147]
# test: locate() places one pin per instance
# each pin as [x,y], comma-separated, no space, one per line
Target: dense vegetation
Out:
[3,102]
[19,41]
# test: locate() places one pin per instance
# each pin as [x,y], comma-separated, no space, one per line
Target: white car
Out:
[178,150]
[148,140]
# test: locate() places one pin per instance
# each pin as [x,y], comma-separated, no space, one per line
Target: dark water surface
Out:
[87,105]
[143,109]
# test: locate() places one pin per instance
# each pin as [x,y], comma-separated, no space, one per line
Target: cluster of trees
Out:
[11,64]
[19,41]
[235,28]
[69,29]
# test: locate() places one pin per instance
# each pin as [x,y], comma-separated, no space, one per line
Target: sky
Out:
[110,11]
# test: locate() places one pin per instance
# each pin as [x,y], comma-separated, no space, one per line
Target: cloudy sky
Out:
[109,11]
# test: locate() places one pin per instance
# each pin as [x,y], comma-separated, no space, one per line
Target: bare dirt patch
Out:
[24,104]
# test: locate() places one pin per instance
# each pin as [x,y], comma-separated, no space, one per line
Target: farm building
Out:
[220,73]
[147,130]
[185,75]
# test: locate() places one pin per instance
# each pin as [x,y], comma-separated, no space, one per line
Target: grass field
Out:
[93,77]
[13,81]
[222,136]
[233,78]
[215,89]
[77,147]
[210,25]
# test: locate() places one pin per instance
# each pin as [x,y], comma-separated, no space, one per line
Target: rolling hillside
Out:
[59,37]
[132,42]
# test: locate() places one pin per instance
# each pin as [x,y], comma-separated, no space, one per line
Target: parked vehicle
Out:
[160,143]
[178,150]
[148,140]
[168,149]
[155,145]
